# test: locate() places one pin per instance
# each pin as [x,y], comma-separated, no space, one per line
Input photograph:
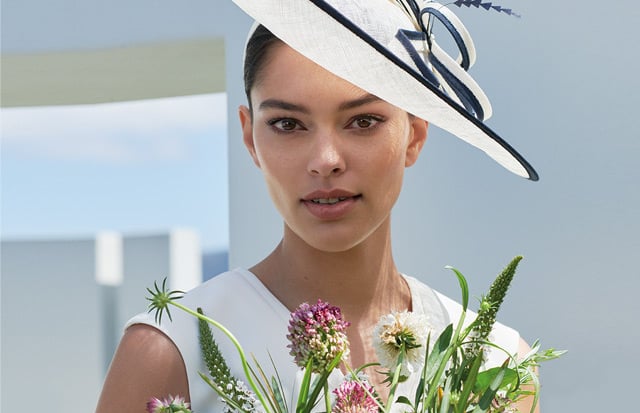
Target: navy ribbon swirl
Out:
[407,38]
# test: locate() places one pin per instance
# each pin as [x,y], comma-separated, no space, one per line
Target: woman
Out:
[333,156]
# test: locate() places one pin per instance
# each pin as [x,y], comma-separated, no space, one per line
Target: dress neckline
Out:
[416,304]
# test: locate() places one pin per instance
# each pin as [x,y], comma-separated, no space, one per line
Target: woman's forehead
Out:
[287,66]
[291,81]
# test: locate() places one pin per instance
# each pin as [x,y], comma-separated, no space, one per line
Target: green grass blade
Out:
[464,287]
[463,402]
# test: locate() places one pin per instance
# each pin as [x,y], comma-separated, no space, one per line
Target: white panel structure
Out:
[109,258]
[51,326]
[64,304]
[185,260]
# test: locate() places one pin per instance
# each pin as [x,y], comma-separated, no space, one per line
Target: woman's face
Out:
[333,156]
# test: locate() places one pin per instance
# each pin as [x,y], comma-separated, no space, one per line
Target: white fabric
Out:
[239,301]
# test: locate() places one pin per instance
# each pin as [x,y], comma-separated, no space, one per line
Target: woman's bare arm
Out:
[147,364]
[524,406]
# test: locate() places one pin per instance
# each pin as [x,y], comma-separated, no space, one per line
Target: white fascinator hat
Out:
[387,48]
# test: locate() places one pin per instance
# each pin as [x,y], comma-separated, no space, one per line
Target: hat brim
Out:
[320,32]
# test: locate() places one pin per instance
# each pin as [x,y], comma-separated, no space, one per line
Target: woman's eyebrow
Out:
[364,100]
[294,107]
[281,104]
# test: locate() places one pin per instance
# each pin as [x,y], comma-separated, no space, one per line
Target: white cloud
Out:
[149,130]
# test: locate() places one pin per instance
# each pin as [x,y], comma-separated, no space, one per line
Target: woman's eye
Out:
[365,122]
[284,124]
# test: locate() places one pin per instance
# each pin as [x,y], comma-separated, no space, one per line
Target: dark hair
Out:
[256,54]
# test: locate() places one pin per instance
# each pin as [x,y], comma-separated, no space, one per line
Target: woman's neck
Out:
[360,280]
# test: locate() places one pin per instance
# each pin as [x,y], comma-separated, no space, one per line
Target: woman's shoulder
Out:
[145,363]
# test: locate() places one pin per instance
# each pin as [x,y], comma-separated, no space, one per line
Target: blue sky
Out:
[135,167]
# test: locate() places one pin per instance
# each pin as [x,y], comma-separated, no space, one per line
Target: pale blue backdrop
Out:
[564,83]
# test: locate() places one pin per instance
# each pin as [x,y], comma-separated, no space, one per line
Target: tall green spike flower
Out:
[220,373]
[489,307]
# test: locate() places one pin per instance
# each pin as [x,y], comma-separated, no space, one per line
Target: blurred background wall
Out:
[563,86]
[64,303]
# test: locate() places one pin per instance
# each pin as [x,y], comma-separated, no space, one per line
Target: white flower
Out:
[242,395]
[398,332]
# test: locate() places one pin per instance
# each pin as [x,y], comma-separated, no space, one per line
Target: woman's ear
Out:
[417,138]
[246,123]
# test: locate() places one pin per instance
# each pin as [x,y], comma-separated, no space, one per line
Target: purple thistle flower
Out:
[169,404]
[317,334]
[354,397]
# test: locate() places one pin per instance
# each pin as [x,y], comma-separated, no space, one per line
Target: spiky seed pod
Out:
[161,298]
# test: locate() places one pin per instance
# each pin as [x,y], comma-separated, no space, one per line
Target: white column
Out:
[254,225]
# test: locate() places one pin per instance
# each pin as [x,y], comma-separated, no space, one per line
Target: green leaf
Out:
[487,378]
[263,383]
[420,389]
[423,375]
[439,351]
[446,395]
[395,379]
[404,400]
[437,362]
[304,387]
[469,382]
[464,287]
[485,401]
[277,389]
[277,394]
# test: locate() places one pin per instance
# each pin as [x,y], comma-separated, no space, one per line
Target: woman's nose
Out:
[326,157]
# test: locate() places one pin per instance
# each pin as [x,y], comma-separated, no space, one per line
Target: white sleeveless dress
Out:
[239,301]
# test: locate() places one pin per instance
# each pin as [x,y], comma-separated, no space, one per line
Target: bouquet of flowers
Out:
[452,378]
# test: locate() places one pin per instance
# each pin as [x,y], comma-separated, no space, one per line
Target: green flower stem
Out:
[443,364]
[395,381]
[327,397]
[319,385]
[236,343]
[304,387]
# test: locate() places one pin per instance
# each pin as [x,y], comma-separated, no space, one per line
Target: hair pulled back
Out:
[256,55]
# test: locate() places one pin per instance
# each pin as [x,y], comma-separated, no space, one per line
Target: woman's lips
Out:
[330,205]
